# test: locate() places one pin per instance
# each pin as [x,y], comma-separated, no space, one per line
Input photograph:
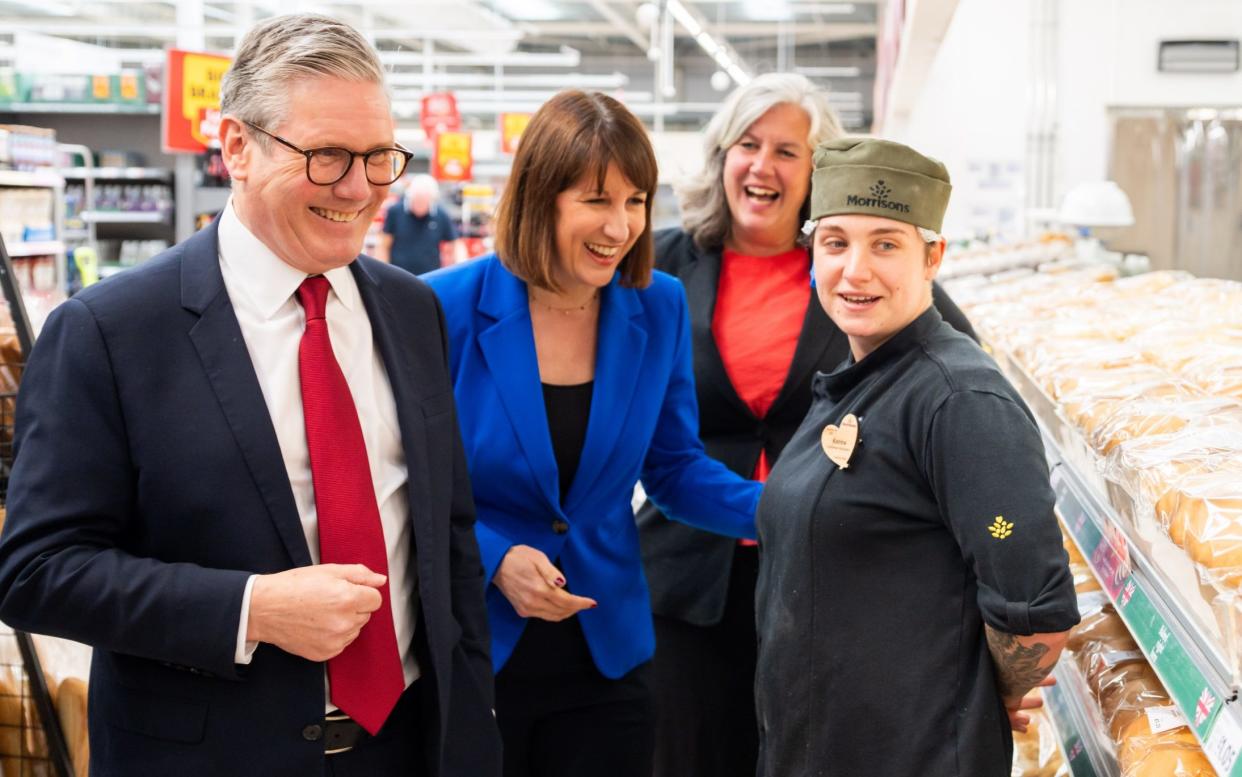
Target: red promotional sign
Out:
[440,114]
[191,115]
[512,125]
[454,157]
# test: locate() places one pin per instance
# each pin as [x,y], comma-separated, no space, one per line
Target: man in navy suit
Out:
[238,472]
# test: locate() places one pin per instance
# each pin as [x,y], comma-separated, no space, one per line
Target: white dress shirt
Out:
[262,288]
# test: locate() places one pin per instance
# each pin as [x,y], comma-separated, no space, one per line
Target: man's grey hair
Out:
[280,50]
[704,208]
[423,184]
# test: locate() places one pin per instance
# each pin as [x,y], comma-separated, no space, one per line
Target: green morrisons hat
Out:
[879,178]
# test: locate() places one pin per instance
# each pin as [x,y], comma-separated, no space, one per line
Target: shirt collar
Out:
[269,282]
[850,373]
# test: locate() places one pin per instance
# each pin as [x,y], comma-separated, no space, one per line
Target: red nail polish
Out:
[560,582]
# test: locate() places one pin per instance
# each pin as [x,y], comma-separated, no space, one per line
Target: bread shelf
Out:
[1179,636]
[1078,733]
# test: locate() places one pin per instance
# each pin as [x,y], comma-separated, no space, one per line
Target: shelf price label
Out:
[1224,744]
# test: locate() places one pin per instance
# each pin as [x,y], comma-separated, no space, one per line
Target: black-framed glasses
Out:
[328,165]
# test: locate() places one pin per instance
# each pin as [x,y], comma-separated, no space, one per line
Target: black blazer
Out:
[688,569]
[149,484]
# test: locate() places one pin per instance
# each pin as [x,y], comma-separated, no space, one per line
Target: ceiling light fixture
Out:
[684,17]
[725,57]
[825,8]
[829,72]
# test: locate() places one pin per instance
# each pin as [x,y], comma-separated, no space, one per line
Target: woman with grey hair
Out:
[757,343]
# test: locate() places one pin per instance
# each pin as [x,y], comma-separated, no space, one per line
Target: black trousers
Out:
[559,717]
[704,686]
[395,751]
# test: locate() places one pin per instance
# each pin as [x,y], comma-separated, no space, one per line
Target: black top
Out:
[688,569]
[569,409]
[876,580]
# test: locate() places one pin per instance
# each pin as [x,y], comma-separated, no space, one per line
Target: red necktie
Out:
[366,678]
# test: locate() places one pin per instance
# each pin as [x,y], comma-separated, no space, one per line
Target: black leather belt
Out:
[341,734]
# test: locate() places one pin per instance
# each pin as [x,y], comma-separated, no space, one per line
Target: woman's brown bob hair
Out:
[573,135]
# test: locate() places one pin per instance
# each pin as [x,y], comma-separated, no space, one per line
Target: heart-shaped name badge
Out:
[839,441]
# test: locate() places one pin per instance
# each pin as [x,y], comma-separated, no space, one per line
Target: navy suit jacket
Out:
[643,423]
[149,484]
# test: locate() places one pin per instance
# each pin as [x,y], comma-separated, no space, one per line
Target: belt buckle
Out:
[339,717]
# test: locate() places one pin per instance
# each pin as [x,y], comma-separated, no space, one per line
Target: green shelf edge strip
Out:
[1201,700]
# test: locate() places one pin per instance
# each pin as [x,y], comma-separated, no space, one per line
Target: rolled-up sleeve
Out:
[986,465]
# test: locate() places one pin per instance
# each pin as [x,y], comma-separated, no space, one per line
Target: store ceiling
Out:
[602,44]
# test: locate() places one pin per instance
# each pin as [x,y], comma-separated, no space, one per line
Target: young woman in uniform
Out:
[912,584]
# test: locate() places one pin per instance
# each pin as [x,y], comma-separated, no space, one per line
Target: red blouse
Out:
[760,305]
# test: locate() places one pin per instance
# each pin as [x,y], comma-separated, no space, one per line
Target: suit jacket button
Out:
[313,732]
[559,526]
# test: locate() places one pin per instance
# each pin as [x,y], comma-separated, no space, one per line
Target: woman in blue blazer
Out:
[571,363]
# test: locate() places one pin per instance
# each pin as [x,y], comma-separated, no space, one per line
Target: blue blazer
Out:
[644,424]
[149,485]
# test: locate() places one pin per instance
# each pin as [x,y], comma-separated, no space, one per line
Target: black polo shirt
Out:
[416,239]
[876,580]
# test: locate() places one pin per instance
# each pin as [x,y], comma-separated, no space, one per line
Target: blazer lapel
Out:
[620,348]
[508,347]
[405,394]
[222,350]
[702,282]
[816,337]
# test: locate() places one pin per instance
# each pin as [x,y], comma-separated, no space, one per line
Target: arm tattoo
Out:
[1018,667]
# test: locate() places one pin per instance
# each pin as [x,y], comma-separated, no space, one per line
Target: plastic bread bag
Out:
[1217,369]
[1125,691]
[1147,468]
[1162,415]
[1090,397]
[1148,750]
[1172,342]
[1099,624]
[1035,751]
[1089,378]
[1055,361]
[1203,510]
[1044,344]
[1149,283]
[1218,297]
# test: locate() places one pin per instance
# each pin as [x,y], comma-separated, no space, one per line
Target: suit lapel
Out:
[222,350]
[702,282]
[408,399]
[814,340]
[620,348]
[508,347]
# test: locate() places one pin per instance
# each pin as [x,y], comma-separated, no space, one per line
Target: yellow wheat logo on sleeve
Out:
[1000,528]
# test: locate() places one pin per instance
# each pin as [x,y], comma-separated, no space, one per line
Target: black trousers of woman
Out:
[704,686]
[559,717]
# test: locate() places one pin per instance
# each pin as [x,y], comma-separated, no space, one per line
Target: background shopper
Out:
[416,228]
